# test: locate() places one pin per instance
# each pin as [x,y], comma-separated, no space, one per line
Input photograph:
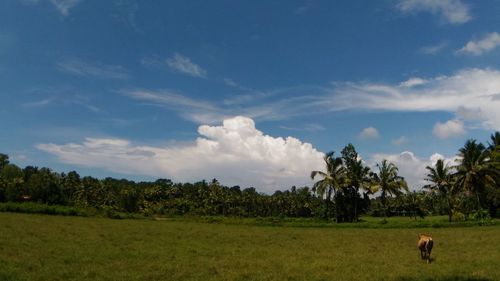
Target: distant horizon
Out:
[272,189]
[252,93]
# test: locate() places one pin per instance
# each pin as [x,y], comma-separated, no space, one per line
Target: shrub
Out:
[458,216]
[37,208]
[482,217]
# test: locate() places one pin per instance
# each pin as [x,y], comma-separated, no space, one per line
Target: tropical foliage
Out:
[346,189]
[442,184]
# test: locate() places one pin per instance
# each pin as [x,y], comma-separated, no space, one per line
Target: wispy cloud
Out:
[434,49]
[470,88]
[313,127]
[469,114]
[95,69]
[209,112]
[452,11]
[196,110]
[63,6]
[413,81]
[467,92]
[399,141]
[150,61]
[235,153]
[251,95]
[126,11]
[184,65]
[39,103]
[231,82]
[58,96]
[478,47]
[171,99]
[303,8]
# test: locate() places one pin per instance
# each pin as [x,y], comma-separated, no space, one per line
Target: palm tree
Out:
[494,151]
[331,178]
[493,195]
[358,177]
[495,141]
[442,183]
[475,170]
[388,182]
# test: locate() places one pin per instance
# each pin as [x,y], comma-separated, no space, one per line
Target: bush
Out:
[36,208]
[482,217]
[458,216]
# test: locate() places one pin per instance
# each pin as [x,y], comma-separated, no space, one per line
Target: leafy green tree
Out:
[388,182]
[250,200]
[11,178]
[129,199]
[4,160]
[44,187]
[441,180]
[475,170]
[411,204]
[70,184]
[90,193]
[357,177]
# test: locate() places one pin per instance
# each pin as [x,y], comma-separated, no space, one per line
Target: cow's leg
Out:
[428,249]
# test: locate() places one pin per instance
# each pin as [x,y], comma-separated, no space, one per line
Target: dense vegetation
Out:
[345,190]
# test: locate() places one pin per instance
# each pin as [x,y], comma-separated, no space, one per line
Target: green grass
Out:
[365,222]
[58,210]
[40,247]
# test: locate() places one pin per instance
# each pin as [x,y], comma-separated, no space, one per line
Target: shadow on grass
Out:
[446,278]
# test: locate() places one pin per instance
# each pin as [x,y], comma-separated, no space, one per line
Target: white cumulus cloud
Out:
[453,11]
[235,153]
[451,128]
[486,44]
[369,133]
[410,166]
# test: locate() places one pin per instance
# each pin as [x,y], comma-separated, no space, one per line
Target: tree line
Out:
[469,186]
[344,191]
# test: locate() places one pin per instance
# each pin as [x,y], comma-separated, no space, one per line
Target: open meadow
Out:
[41,247]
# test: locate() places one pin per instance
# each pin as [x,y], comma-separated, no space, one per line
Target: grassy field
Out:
[41,247]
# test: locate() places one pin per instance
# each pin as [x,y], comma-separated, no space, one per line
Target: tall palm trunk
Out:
[384,203]
[356,206]
[450,210]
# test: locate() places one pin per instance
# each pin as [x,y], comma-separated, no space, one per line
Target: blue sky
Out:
[249,92]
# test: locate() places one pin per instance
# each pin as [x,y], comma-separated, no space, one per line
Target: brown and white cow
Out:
[425,244]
